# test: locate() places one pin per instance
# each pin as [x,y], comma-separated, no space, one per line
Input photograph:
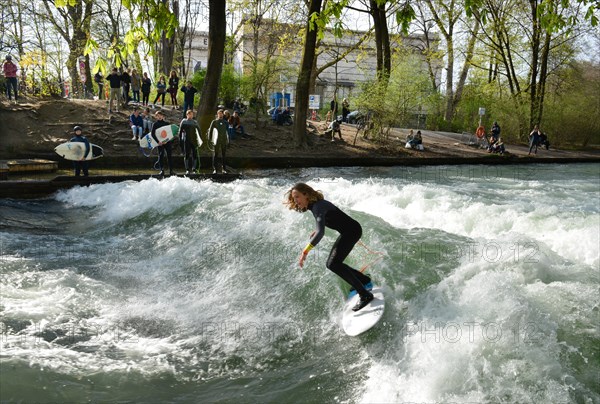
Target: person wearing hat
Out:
[164,148]
[10,72]
[83,164]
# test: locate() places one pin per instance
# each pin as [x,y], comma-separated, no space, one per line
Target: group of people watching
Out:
[414,140]
[224,128]
[227,125]
[537,138]
[121,82]
[282,116]
[495,142]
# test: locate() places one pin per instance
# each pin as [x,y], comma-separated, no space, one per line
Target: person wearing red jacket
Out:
[10,72]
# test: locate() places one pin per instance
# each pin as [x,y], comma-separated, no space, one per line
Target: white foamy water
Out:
[175,289]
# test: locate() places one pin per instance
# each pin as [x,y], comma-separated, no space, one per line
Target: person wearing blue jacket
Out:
[136,121]
[83,164]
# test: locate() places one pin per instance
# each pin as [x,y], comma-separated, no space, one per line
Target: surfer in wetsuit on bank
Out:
[220,146]
[301,198]
[83,164]
[163,148]
[189,141]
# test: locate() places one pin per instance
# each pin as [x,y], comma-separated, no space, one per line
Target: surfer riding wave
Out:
[301,198]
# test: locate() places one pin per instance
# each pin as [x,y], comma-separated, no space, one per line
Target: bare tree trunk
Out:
[541,90]
[75,30]
[168,44]
[216,54]
[465,69]
[535,54]
[303,83]
[382,40]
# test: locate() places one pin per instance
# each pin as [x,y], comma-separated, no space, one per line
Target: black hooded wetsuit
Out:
[328,215]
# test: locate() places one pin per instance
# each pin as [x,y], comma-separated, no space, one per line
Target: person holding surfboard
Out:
[163,147]
[189,141]
[83,164]
[220,143]
[303,197]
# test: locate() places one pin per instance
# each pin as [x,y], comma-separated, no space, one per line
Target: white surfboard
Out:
[75,151]
[199,139]
[215,136]
[164,134]
[357,322]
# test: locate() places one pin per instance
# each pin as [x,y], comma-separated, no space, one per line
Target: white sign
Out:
[481,111]
[314,101]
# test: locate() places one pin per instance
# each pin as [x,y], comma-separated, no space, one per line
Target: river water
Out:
[185,291]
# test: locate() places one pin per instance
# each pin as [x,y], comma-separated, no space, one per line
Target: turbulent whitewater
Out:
[186,291]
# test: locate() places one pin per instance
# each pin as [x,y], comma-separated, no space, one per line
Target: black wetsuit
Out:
[328,215]
[165,149]
[189,143]
[84,164]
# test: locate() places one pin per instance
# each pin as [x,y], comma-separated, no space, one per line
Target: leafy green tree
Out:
[573,106]
[397,102]
[72,19]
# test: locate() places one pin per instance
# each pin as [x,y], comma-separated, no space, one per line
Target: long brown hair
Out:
[312,195]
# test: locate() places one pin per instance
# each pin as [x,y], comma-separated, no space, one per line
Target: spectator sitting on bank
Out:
[409,139]
[285,118]
[136,121]
[147,117]
[498,147]
[236,127]
[491,142]
[414,142]
[335,127]
[275,114]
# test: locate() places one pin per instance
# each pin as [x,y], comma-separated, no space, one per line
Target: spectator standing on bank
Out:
[99,80]
[173,87]
[345,110]
[146,87]
[534,139]
[161,89]
[135,85]
[189,92]
[126,84]
[496,130]
[114,79]
[333,106]
[9,69]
